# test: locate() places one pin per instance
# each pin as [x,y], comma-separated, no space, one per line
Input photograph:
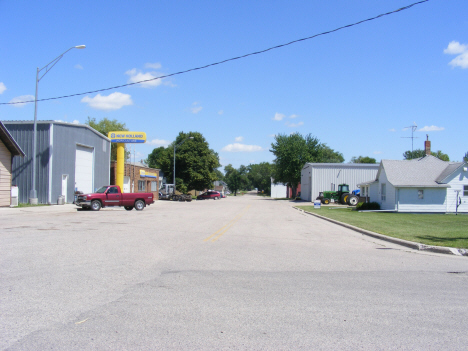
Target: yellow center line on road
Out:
[216,235]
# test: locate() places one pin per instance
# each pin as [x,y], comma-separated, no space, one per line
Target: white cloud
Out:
[272,135]
[195,108]
[76,121]
[159,142]
[138,76]
[278,117]
[21,99]
[236,147]
[460,61]
[2,87]
[455,48]
[293,125]
[430,129]
[392,130]
[293,116]
[377,152]
[155,65]
[220,112]
[78,66]
[239,138]
[111,102]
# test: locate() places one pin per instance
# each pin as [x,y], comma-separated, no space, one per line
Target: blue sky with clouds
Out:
[355,89]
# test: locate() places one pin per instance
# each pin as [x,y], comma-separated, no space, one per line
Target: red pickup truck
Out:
[110,195]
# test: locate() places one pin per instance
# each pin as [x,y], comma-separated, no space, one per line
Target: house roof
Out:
[9,142]
[426,171]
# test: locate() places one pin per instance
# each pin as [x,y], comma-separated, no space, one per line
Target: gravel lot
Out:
[237,273]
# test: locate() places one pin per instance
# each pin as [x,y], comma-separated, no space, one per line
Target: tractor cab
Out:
[343,188]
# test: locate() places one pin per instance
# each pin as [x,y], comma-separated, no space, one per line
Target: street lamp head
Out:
[80,47]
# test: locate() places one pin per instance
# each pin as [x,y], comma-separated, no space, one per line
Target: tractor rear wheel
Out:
[344,199]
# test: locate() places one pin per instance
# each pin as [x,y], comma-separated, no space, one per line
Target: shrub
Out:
[364,206]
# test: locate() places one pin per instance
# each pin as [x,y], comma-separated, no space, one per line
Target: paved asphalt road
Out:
[242,273]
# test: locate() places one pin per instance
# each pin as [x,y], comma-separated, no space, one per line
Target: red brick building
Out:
[138,178]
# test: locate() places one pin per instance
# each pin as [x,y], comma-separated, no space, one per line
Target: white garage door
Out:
[84,169]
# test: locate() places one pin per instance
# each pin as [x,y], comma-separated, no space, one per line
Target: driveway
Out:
[237,273]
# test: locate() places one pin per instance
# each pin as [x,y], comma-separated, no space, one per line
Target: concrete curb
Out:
[406,243]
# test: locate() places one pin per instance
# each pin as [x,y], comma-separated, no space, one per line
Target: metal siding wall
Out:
[66,137]
[323,176]
[306,190]
[22,166]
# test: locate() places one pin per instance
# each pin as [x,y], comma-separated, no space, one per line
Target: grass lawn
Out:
[430,229]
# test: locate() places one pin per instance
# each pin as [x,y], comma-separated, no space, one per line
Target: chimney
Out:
[427,146]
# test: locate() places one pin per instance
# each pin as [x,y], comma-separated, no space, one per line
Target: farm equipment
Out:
[167,193]
[342,196]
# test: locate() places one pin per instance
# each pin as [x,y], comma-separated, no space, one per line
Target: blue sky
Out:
[355,89]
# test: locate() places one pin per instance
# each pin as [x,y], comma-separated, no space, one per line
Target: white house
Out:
[426,184]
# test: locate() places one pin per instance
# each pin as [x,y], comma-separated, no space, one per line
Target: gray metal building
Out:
[317,177]
[69,156]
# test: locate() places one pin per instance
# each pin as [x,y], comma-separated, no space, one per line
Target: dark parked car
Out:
[215,195]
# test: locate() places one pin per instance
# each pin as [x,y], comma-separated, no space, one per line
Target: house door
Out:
[65,186]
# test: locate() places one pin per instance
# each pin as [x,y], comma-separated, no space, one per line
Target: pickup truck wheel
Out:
[139,205]
[128,208]
[96,205]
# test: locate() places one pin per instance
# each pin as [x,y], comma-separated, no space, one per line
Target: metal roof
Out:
[9,142]
[60,122]
[342,165]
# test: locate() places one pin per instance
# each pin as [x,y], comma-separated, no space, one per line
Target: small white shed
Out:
[278,191]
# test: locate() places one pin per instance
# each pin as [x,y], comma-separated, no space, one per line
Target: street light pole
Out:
[175,146]
[33,192]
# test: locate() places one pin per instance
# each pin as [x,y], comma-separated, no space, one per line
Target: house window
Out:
[420,194]
[154,186]
[383,192]
[465,190]
[141,185]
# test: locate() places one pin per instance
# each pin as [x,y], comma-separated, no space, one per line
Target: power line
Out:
[227,60]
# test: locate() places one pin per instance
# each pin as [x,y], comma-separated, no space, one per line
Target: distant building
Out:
[138,178]
[69,157]
[278,191]
[8,150]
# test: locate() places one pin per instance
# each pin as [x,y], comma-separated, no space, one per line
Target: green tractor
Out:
[342,196]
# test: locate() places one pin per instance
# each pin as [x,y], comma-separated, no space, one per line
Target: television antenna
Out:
[412,137]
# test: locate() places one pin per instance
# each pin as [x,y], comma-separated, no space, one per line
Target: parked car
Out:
[111,195]
[215,195]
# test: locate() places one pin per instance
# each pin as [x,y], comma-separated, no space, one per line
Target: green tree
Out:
[236,179]
[196,163]
[418,153]
[219,174]
[293,151]
[104,126]
[363,159]
[328,155]
[260,176]
[154,159]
